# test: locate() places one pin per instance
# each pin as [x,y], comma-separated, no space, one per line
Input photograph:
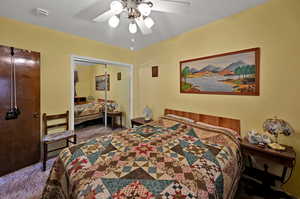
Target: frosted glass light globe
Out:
[114,21]
[116,7]
[132,28]
[149,22]
[145,9]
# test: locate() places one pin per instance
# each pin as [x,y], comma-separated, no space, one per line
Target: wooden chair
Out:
[56,137]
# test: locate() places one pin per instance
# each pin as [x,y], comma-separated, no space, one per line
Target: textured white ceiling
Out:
[74,16]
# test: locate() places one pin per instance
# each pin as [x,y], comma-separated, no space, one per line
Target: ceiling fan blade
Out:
[144,29]
[104,16]
[93,9]
[170,6]
[187,3]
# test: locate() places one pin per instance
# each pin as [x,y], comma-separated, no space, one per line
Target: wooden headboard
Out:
[233,124]
[80,100]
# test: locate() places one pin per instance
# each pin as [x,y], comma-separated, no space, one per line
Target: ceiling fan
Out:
[138,12]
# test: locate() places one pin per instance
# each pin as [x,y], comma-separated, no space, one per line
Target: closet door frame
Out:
[74,58]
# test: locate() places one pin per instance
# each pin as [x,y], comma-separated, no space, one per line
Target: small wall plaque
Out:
[154,71]
[119,76]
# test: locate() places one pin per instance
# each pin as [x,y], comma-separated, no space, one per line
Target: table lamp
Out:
[276,127]
[147,113]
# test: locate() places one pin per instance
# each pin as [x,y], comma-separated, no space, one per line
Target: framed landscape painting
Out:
[234,73]
[100,82]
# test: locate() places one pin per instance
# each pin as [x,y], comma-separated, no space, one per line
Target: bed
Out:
[87,111]
[181,155]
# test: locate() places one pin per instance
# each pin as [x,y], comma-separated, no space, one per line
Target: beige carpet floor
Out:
[28,183]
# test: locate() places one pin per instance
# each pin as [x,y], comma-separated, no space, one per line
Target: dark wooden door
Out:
[20,138]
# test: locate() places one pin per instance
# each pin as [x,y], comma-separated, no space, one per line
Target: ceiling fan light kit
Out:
[137,11]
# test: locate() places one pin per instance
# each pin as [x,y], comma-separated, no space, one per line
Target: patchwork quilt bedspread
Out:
[166,159]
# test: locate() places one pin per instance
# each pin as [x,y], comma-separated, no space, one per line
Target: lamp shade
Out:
[277,126]
[147,113]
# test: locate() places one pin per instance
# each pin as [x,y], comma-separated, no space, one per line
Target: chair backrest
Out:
[47,118]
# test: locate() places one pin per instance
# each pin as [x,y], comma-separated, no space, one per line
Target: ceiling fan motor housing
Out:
[132,7]
[133,13]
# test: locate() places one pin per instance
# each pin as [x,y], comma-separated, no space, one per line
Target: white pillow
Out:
[180,118]
[208,125]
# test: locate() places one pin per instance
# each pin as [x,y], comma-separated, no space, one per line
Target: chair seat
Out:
[58,136]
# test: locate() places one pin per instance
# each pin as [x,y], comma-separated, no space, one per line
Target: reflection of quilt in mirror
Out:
[165,159]
[88,111]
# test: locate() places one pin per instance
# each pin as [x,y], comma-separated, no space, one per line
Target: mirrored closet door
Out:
[102,96]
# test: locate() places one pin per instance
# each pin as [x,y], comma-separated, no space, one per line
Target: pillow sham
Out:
[180,118]
[202,125]
[236,134]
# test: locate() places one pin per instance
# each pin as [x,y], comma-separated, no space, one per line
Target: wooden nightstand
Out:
[139,121]
[113,116]
[284,158]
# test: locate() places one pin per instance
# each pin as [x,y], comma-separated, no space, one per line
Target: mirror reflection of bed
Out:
[89,100]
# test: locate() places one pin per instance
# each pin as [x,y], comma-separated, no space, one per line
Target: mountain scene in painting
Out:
[230,73]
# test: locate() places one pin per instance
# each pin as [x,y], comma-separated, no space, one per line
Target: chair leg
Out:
[67,142]
[121,126]
[75,139]
[45,156]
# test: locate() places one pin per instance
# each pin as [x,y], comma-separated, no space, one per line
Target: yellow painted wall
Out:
[84,85]
[275,27]
[56,48]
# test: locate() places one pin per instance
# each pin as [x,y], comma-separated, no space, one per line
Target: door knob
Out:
[36,115]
